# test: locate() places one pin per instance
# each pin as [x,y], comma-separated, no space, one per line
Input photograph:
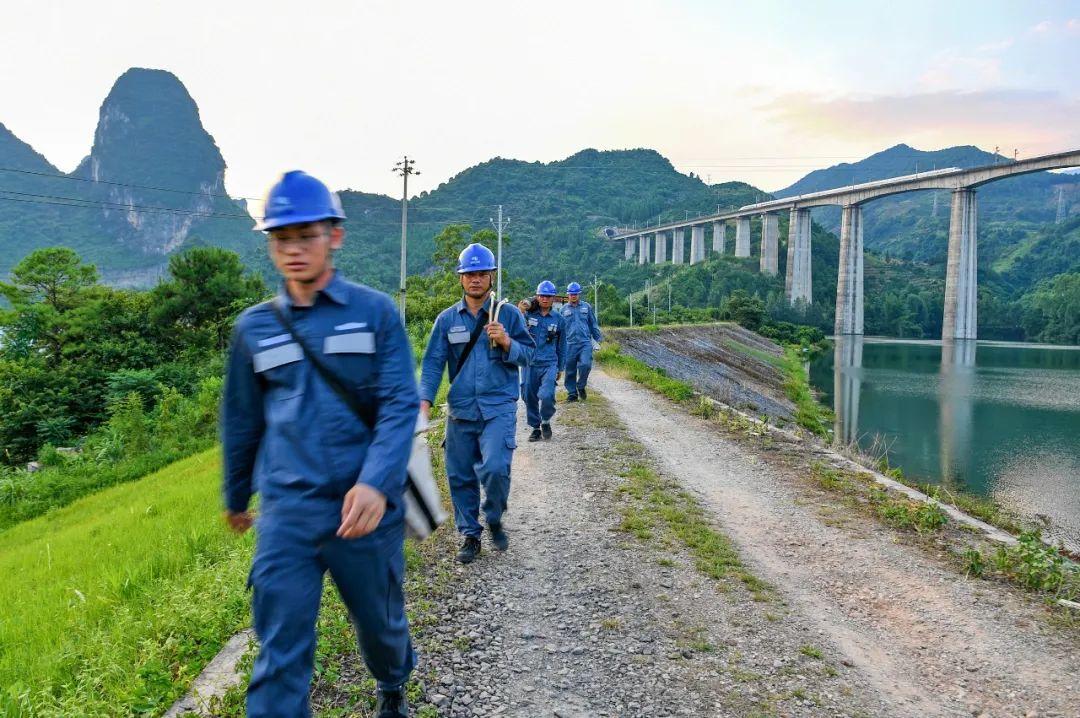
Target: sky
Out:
[760,91]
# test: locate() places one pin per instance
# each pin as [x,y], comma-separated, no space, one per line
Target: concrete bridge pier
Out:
[797,280]
[697,244]
[849,285]
[719,237]
[961,285]
[643,249]
[742,237]
[659,248]
[629,254]
[770,243]
[678,246]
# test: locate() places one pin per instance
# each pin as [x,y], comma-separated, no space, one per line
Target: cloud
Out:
[1049,27]
[1041,28]
[1031,120]
[950,69]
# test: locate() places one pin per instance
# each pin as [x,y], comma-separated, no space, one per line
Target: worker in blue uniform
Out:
[549,359]
[331,486]
[482,354]
[582,330]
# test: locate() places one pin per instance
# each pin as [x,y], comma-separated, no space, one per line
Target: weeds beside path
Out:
[933,641]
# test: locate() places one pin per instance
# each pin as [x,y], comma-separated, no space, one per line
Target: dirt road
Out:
[928,641]
[582,619]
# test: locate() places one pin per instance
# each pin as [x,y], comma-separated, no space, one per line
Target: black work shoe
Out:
[498,537]
[581,393]
[392,704]
[545,430]
[572,397]
[535,435]
[469,550]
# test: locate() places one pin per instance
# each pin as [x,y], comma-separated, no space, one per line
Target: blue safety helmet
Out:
[475,258]
[299,198]
[574,288]
[545,289]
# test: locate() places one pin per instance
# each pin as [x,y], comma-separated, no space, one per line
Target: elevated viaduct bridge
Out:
[960,279]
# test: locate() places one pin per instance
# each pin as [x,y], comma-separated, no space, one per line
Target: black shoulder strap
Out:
[363,411]
[476,332]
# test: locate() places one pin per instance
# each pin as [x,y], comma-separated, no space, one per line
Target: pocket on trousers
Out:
[511,442]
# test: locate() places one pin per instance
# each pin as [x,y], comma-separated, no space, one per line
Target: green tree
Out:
[52,276]
[1052,310]
[207,288]
[745,310]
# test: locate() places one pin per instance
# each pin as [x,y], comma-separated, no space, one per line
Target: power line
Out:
[124,184]
[115,205]
[77,203]
[100,207]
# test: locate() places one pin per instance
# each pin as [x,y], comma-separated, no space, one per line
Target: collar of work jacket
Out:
[335,290]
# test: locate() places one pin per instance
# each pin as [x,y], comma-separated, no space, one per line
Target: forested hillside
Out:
[153,186]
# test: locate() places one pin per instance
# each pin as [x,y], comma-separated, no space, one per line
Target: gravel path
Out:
[929,642]
[580,619]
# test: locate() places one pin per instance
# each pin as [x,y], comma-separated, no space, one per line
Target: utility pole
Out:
[498,255]
[596,296]
[404,168]
[669,299]
[630,300]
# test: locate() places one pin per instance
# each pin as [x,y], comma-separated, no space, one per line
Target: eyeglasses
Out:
[303,241]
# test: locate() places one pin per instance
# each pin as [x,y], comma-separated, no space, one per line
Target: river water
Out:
[997,419]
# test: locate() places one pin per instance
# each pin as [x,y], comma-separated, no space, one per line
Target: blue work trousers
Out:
[293,552]
[578,366]
[479,453]
[539,393]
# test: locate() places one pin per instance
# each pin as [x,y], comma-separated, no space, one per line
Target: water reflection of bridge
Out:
[955,400]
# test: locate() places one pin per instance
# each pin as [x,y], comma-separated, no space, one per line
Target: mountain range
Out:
[152,185]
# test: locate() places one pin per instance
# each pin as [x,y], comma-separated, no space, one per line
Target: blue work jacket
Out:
[487,386]
[549,334]
[287,435]
[581,324]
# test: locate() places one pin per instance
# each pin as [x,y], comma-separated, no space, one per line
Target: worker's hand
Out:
[361,511]
[523,305]
[239,522]
[425,409]
[497,333]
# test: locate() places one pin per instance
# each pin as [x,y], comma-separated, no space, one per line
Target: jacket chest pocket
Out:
[458,337]
[352,356]
[280,367]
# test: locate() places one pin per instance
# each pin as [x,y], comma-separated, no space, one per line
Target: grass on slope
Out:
[25,496]
[809,414]
[115,602]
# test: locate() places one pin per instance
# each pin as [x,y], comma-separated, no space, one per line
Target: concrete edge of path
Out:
[219,675]
[991,532]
